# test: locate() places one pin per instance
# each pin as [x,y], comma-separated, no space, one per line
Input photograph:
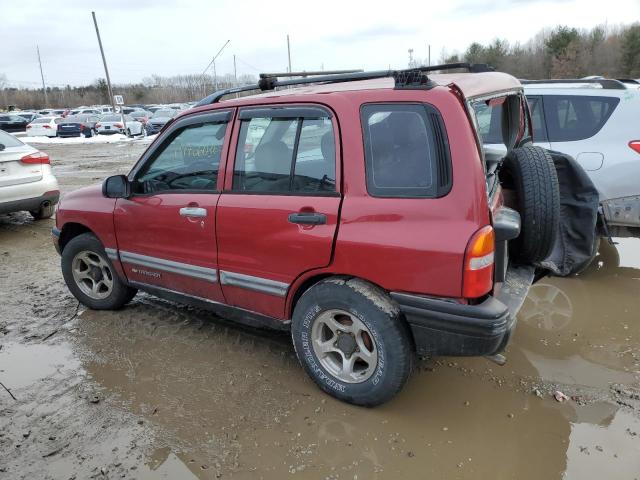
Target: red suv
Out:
[361,213]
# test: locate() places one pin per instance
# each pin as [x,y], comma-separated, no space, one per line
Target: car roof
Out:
[586,89]
[470,84]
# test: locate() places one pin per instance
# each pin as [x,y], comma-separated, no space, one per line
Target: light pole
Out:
[213,61]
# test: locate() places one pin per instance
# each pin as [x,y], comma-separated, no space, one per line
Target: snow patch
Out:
[115,138]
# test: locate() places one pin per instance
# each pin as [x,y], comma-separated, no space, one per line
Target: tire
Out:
[530,171]
[86,249]
[43,212]
[380,335]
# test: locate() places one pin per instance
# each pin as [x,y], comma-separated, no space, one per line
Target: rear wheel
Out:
[350,339]
[90,275]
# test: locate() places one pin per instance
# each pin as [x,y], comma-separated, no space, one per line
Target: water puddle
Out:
[21,365]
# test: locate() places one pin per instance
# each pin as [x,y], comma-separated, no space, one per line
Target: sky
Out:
[145,37]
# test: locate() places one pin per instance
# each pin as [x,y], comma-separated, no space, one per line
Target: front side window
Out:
[405,151]
[188,161]
[285,155]
[574,117]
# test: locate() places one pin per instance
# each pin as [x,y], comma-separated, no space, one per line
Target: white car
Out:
[594,120]
[26,180]
[44,127]
[113,123]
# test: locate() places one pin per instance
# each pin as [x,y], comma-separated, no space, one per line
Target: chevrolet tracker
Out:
[360,211]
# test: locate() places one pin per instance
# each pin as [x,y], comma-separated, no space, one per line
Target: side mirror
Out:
[116,186]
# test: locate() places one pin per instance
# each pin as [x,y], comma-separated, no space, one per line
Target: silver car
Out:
[596,122]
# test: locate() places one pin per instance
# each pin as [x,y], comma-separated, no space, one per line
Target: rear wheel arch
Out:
[71,230]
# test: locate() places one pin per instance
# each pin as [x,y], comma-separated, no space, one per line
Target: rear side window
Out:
[573,117]
[286,154]
[9,140]
[406,151]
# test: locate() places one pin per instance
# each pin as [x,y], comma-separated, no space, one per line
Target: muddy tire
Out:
[43,212]
[90,275]
[530,171]
[350,339]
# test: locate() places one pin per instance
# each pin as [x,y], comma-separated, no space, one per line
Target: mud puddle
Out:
[159,390]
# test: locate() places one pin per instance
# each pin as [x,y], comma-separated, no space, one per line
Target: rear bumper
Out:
[442,327]
[28,204]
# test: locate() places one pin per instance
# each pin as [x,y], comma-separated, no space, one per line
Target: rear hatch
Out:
[12,170]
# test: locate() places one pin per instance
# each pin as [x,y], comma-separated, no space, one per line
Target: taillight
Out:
[81,127]
[118,125]
[28,127]
[635,145]
[47,126]
[477,279]
[37,158]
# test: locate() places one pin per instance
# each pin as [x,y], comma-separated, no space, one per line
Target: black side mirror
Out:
[116,186]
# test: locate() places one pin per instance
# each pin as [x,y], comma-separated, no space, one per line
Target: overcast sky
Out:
[143,37]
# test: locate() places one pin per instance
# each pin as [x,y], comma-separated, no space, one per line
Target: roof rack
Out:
[607,83]
[408,78]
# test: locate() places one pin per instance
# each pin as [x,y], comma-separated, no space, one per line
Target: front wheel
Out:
[90,275]
[350,339]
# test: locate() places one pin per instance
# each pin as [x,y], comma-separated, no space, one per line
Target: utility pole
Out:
[44,88]
[289,52]
[235,73]
[104,61]
[213,61]
[429,56]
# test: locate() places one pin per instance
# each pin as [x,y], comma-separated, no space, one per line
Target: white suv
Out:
[26,180]
[597,122]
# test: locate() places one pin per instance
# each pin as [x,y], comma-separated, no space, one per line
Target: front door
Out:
[166,231]
[278,214]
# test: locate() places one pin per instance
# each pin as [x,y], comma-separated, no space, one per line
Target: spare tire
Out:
[530,171]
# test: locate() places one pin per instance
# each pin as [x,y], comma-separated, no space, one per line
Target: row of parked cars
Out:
[88,121]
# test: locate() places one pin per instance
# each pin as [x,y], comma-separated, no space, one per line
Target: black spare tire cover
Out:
[530,171]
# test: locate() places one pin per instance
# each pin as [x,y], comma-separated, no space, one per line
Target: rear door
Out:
[573,122]
[278,214]
[166,229]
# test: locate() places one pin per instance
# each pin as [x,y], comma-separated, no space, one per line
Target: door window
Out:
[188,161]
[573,117]
[284,155]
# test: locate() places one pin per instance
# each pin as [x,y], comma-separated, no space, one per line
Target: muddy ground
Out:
[159,390]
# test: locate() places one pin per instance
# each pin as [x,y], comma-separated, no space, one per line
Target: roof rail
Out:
[408,78]
[607,83]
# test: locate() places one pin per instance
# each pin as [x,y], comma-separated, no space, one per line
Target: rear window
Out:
[42,120]
[406,151]
[9,140]
[573,117]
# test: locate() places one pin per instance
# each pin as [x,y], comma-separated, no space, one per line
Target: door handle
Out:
[309,218]
[193,212]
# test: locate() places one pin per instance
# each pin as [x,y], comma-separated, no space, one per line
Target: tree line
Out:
[561,52]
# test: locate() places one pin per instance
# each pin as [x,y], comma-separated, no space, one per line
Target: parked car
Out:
[366,220]
[10,122]
[159,120]
[593,120]
[85,111]
[110,124]
[28,116]
[44,127]
[141,115]
[78,125]
[26,180]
